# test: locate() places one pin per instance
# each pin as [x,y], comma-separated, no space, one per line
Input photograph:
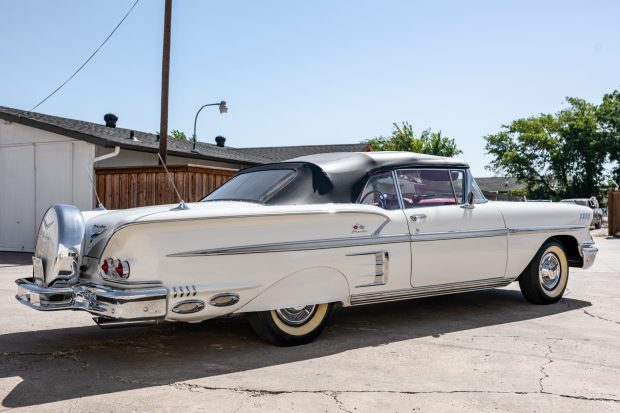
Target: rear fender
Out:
[309,286]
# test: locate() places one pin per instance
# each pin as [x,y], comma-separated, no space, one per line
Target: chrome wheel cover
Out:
[549,271]
[296,316]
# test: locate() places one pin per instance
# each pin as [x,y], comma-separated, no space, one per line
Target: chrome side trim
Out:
[382,264]
[428,291]
[437,236]
[297,246]
[542,229]
[372,240]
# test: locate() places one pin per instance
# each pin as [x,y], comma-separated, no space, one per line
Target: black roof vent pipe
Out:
[110,120]
[220,140]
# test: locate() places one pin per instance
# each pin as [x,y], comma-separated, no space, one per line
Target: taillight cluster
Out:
[115,268]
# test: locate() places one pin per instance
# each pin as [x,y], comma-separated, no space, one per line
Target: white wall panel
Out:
[17,201]
[53,175]
[83,155]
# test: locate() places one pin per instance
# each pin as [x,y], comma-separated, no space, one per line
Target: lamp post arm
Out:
[196,120]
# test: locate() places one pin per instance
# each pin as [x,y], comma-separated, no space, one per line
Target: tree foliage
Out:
[561,155]
[177,134]
[403,138]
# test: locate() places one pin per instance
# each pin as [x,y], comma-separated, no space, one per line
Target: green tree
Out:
[404,139]
[557,156]
[176,134]
[609,120]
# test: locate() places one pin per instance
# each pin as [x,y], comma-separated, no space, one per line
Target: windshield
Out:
[257,186]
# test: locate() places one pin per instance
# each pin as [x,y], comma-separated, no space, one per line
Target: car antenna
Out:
[100,206]
[182,205]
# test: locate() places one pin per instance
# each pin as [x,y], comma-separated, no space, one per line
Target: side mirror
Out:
[470,201]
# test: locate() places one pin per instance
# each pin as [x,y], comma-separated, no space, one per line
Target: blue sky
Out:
[317,72]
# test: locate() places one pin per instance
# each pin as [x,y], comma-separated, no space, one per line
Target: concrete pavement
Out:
[480,351]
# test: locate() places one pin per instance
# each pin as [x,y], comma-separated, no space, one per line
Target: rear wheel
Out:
[544,280]
[291,326]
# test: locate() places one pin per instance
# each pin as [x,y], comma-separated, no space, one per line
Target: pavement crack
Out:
[599,317]
[334,395]
[545,364]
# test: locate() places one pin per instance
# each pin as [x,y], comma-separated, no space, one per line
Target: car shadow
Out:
[68,363]
[15,259]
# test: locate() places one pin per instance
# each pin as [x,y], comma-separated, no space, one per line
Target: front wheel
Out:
[291,326]
[544,280]
[599,223]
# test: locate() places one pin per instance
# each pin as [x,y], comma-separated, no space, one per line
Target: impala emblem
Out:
[97,230]
[359,228]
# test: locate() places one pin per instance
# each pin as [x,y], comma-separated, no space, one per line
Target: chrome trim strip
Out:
[372,240]
[428,291]
[401,203]
[446,235]
[542,229]
[126,282]
[297,246]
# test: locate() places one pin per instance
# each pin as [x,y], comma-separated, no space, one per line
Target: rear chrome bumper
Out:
[588,252]
[100,300]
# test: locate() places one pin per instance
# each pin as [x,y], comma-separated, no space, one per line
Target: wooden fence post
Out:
[613,213]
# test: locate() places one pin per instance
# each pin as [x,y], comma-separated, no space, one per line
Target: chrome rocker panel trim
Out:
[428,291]
[100,300]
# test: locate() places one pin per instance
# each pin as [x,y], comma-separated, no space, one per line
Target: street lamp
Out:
[223,109]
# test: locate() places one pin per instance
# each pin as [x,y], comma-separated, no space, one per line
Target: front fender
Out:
[305,287]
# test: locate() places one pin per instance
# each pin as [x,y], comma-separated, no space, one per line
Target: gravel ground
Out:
[480,352]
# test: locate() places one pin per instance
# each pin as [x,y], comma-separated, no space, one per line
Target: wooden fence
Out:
[613,212]
[130,187]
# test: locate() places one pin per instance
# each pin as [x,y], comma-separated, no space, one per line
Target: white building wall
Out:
[135,158]
[38,169]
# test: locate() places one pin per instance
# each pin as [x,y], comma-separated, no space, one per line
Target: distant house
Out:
[501,188]
[46,160]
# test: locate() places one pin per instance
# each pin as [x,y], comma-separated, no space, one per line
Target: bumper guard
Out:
[588,252]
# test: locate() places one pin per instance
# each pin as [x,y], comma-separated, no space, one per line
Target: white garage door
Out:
[17,205]
[33,177]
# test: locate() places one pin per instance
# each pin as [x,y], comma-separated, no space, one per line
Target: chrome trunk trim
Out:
[428,291]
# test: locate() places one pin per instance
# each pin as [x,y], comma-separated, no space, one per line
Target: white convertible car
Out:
[285,243]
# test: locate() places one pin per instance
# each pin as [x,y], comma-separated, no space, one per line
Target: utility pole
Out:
[165,77]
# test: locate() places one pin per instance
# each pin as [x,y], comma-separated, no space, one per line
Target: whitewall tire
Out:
[545,278]
[291,326]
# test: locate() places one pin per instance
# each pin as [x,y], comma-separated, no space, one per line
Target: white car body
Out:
[213,259]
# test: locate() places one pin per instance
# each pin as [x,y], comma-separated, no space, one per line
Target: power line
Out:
[89,58]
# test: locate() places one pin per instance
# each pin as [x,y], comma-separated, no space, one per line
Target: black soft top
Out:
[339,177]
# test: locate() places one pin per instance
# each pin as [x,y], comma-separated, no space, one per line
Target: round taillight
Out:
[105,267]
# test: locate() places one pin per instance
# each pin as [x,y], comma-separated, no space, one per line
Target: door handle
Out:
[417,217]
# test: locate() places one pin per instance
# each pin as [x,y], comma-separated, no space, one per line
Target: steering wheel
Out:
[378,196]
